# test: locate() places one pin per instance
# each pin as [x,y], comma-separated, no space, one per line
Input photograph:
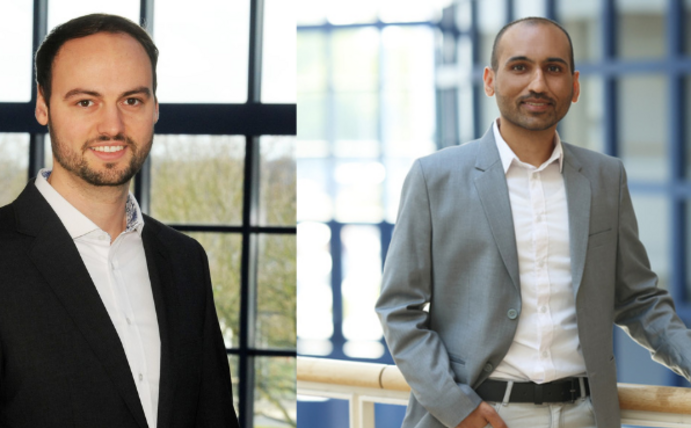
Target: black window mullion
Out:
[37,140]
[248,282]
[142,181]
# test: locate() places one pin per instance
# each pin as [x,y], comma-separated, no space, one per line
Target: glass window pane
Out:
[491,17]
[16,33]
[409,93]
[525,8]
[642,125]
[584,124]
[14,165]
[582,20]
[357,116]
[311,54]
[359,194]
[341,12]
[653,215]
[275,402]
[224,251]
[277,194]
[411,10]
[314,326]
[311,12]
[61,11]
[276,301]
[312,114]
[197,179]
[362,265]
[315,184]
[234,365]
[204,51]
[360,75]
[279,66]
[641,28]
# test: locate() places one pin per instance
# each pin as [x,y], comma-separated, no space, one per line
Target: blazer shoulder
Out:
[171,239]
[590,156]
[592,161]
[452,157]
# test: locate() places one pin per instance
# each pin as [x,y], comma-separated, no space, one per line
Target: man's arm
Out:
[406,289]
[215,407]
[643,310]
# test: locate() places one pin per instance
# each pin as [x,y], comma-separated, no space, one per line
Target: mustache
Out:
[536,96]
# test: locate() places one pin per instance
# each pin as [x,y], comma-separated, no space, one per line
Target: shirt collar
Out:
[76,223]
[507,155]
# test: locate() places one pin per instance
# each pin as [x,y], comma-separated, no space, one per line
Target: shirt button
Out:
[512,314]
[544,354]
[141,377]
[542,309]
[129,321]
[488,367]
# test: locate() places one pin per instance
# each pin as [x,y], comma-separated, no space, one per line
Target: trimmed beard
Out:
[79,167]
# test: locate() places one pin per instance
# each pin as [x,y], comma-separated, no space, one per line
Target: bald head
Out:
[532,20]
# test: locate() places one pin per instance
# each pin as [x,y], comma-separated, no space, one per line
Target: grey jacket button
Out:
[488,367]
[512,314]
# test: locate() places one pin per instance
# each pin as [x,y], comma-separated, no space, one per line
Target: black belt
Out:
[559,391]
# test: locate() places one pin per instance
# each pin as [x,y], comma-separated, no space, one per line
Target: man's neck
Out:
[532,147]
[104,205]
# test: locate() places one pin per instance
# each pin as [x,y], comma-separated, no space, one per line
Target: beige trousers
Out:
[549,415]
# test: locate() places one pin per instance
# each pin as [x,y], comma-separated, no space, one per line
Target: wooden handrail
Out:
[659,399]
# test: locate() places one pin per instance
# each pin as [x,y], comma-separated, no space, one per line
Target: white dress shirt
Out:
[121,277]
[546,346]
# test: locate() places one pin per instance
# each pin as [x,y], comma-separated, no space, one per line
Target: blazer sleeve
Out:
[407,287]
[643,310]
[215,408]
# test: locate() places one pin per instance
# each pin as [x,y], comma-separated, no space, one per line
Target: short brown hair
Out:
[83,26]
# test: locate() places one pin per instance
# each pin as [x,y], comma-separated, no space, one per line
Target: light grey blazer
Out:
[454,248]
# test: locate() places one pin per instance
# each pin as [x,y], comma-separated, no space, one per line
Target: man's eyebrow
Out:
[79,91]
[519,58]
[525,58]
[142,90]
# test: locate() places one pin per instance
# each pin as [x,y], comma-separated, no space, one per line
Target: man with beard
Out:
[512,257]
[107,316]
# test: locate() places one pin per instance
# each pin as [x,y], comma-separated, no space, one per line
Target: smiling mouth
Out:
[108,149]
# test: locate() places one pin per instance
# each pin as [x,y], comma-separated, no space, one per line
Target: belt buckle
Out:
[574,381]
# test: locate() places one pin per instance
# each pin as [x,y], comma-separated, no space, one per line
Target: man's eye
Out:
[554,68]
[518,67]
[132,101]
[85,103]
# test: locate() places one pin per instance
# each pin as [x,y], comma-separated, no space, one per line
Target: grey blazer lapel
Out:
[494,196]
[578,201]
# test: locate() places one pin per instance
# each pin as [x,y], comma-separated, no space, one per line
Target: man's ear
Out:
[576,87]
[41,107]
[156,110]
[488,78]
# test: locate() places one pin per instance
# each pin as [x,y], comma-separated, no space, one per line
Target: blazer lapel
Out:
[578,202]
[166,304]
[57,258]
[494,196]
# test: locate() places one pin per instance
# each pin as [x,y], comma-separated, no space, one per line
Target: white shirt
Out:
[121,277]
[546,345]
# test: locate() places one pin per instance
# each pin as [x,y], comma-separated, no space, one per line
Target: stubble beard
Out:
[512,113]
[111,176]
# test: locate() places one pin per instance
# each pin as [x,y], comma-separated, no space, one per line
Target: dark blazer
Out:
[454,249]
[61,361]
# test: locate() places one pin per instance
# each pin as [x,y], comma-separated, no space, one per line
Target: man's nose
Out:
[111,123]
[538,83]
